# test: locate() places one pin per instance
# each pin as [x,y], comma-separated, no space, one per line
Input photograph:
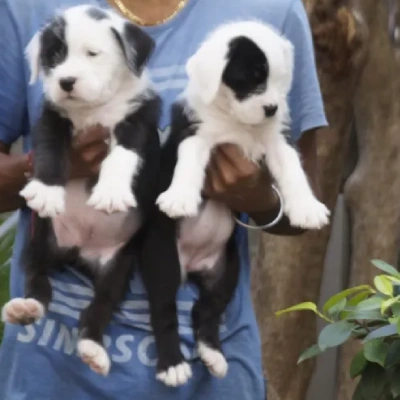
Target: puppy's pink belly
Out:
[202,239]
[97,234]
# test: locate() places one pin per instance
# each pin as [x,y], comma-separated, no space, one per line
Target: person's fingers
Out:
[245,168]
[224,167]
[94,152]
[92,135]
[215,183]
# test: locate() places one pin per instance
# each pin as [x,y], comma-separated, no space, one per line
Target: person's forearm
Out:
[307,146]
[271,209]
[13,169]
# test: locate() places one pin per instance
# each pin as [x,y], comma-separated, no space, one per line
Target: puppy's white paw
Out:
[22,311]
[213,359]
[95,356]
[176,376]
[177,203]
[307,212]
[48,201]
[112,197]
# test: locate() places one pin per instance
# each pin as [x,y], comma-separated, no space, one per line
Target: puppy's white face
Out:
[85,55]
[246,69]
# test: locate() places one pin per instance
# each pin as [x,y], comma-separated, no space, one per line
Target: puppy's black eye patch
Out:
[247,68]
[54,48]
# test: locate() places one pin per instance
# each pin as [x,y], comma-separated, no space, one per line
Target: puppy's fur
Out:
[93,67]
[239,80]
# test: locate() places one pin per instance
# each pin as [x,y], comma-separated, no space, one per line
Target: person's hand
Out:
[88,151]
[238,182]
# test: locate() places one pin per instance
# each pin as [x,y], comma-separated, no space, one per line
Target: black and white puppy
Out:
[93,65]
[239,81]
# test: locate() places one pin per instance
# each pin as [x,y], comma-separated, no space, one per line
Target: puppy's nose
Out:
[67,84]
[270,111]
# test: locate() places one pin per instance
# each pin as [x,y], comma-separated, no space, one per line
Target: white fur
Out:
[20,310]
[300,204]
[95,356]
[104,83]
[213,359]
[48,201]
[183,197]
[176,376]
[206,66]
[224,119]
[113,192]
[102,95]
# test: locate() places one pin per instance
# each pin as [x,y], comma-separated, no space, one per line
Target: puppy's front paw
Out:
[22,311]
[47,201]
[307,213]
[94,355]
[112,197]
[176,376]
[177,203]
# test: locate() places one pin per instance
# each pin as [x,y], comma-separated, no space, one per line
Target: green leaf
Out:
[337,308]
[307,306]
[357,395]
[395,383]
[373,303]
[358,364]
[396,309]
[376,351]
[388,330]
[388,303]
[335,334]
[384,285]
[365,315]
[372,383]
[393,356]
[311,352]
[385,267]
[344,294]
[358,298]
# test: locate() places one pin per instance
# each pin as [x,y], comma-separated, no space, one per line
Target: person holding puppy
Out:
[39,361]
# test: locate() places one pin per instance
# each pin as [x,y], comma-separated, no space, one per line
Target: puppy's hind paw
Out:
[47,201]
[213,359]
[22,311]
[95,356]
[176,376]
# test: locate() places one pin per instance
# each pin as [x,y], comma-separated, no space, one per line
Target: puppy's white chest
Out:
[107,116]
[251,140]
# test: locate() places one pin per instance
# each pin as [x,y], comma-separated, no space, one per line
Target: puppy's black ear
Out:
[136,45]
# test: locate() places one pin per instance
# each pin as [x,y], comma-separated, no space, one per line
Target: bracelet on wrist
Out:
[270,224]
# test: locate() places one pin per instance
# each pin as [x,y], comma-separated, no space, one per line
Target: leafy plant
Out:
[372,316]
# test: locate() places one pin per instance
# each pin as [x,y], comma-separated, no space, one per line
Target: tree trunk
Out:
[373,189]
[290,268]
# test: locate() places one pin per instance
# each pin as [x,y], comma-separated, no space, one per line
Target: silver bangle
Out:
[270,224]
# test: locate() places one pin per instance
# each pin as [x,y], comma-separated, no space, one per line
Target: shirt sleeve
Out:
[12,81]
[305,99]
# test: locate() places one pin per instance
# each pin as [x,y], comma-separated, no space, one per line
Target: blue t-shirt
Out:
[39,362]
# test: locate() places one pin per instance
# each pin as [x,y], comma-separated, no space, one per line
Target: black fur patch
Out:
[247,69]
[54,48]
[136,45]
[97,14]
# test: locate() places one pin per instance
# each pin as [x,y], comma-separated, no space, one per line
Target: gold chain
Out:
[137,20]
